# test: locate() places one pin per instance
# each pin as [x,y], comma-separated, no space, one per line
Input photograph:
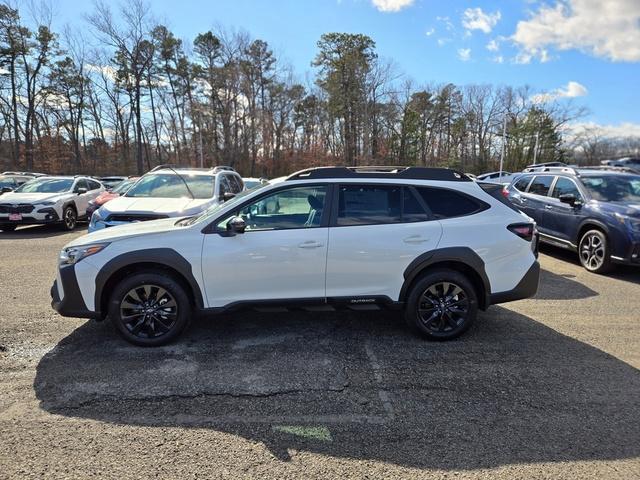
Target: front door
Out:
[281,256]
[561,219]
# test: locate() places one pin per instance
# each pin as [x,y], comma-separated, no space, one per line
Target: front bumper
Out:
[39,217]
[526,288]
[71,304]
[632,256]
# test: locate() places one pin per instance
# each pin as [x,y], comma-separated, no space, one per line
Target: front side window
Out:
[445,203]
[47,185]
[173,186]
[541,185]
[565,186]
[300,207]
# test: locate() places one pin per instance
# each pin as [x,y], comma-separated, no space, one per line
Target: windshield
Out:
[212,211]
[613,188]
[123,186]
[47,185]
[173,186]
[7,182]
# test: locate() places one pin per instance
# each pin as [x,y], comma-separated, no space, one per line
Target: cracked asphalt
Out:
[541,388]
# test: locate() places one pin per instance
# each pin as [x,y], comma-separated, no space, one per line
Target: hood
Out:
[105,197]
[175,207]
[621,208]
[19,197]
[122,232]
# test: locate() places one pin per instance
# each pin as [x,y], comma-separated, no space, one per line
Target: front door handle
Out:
[310,244]
[415,239]
[548,207]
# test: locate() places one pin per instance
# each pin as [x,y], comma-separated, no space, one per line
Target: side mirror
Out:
[6,190]
[570,199]
[227,196]
[236,225]
[81,190]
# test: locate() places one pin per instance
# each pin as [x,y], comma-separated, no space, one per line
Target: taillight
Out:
[523,230]
[505,192]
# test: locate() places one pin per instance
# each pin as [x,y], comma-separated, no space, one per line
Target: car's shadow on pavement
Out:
[38,231]
[360,386]
[621,272]
[553,286]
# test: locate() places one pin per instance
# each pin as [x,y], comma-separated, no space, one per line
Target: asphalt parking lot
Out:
[541,388]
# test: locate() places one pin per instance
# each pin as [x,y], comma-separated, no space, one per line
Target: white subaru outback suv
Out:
[61,200]
[169,192]
[429,241]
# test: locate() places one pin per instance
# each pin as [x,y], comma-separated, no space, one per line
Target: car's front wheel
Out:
[149,309]
[442,305]
[593,251]
[69,218]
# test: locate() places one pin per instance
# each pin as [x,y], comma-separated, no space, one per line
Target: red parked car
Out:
[107,195]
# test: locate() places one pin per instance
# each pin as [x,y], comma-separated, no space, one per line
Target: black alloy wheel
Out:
[442,305]
[69,218]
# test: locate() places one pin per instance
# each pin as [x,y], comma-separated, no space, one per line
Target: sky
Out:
[582,51]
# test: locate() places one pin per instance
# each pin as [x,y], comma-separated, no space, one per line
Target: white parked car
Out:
[429,241]
[61,200]
[253,182]
[167,192]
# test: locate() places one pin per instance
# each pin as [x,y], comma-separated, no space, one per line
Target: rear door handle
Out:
[310,244]
[415,239]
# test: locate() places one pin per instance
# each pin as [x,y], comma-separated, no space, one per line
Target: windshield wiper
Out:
[193,197]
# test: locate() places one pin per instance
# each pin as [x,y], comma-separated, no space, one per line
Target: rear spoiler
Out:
[497,191]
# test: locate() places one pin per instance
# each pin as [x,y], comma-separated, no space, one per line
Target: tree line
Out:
[128,94]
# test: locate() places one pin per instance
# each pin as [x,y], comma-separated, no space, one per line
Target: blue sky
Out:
[587,51]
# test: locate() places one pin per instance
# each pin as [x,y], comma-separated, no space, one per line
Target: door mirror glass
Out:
[227,196]
[568,198]
[236,225]
[81,190]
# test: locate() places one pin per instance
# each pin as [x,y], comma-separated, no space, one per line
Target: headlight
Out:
[631,222]
[72,255]
[96,216]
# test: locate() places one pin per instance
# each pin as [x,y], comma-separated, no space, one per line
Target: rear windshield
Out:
[613,188]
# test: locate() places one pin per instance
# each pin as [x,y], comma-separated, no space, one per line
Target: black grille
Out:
[16,208]
[133,217]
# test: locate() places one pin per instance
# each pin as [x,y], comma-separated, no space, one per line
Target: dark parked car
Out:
[593,212]
[10,181]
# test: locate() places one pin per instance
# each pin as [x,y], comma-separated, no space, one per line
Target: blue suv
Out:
[595,212]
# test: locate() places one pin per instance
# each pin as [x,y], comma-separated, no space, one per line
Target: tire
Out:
[69,218]
[441,305]
[594,252]
[7,227]
[149,309]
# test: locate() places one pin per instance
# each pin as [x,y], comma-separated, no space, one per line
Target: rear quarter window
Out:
[445,203]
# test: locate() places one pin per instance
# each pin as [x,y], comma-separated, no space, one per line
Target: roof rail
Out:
[413,173]
[222,168]
[547,164]
[551,170]
[613,168]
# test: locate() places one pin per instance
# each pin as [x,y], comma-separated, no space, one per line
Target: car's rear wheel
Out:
[7,227]
[149,309]
[69,218]
[442,305]
[593,251]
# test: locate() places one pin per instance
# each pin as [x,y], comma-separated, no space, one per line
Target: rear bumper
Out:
[526,288]
[71,304]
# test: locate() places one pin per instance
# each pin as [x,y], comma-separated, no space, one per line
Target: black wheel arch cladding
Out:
[164,257]
[447,256]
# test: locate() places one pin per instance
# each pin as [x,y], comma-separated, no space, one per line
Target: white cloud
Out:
[608,29]
[493,46]
[391,5]
[443,41]
[621,130]
[464,54]
[430,32]
[570,90]
[498,59]
[476,19]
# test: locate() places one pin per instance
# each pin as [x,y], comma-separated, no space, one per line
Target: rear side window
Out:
[522,184]
[541,184]
[369,204]
[445,203]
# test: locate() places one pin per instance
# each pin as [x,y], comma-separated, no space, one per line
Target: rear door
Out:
[517,193]
[376,231]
